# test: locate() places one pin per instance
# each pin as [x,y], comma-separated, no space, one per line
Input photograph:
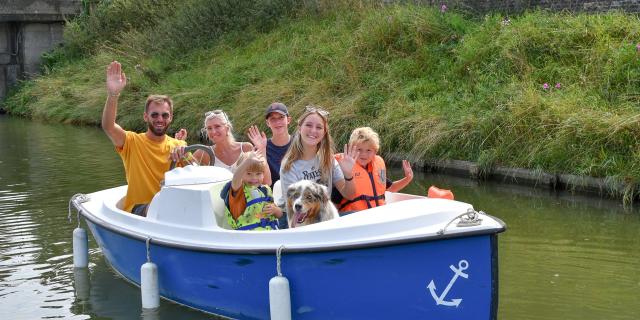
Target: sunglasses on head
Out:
[216,112]
[320,111]
[165,115]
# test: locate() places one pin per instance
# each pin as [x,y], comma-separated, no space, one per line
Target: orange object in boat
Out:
[435,192]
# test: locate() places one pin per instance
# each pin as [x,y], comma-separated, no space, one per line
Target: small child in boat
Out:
[249,203]
[370,174]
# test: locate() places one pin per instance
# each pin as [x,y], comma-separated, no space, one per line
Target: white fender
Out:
[279,298]
[149,286]
[80,248]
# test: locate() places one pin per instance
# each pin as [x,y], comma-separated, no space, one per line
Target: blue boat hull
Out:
[385,282]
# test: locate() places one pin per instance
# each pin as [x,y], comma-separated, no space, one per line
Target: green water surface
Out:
[563,256]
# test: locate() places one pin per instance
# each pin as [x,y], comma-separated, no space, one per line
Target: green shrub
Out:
[435,86]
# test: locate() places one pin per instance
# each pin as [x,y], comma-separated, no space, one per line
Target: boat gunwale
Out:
[338,247]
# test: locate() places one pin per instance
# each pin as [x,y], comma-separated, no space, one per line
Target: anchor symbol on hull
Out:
[440,300]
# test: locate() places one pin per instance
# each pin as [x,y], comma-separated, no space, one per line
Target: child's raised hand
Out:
[408,172]
[255,156]
[348,159]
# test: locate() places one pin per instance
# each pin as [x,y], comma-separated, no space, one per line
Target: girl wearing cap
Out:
[311,156]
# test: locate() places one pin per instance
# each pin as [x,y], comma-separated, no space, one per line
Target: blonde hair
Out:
[365,134]
[158,99]
[325,149]
[222,116]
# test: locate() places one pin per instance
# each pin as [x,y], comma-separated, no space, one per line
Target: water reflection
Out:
[81,284]
[101,293]
[564,256]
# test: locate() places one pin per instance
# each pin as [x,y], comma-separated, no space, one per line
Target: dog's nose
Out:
[297,206]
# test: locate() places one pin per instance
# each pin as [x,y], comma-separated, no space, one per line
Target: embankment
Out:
[554,93]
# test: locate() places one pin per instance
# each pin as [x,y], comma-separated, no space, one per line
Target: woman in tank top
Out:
[225,148]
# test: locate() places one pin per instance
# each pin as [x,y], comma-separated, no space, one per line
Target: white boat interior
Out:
[188,211]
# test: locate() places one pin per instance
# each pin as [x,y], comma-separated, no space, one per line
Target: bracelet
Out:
[113,95]
[345,178]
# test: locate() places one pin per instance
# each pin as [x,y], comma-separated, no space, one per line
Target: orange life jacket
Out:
[371,183]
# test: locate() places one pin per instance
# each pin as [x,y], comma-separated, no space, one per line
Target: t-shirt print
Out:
[314,174]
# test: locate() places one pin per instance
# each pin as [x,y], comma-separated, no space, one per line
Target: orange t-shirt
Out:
[145,162]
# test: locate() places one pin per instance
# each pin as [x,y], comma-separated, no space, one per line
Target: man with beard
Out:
[145,155]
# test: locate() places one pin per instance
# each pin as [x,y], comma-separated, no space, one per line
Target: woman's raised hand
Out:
[348,160]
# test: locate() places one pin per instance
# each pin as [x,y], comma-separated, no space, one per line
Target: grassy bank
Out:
[434,85]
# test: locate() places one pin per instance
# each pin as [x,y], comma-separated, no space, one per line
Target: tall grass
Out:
[434,85]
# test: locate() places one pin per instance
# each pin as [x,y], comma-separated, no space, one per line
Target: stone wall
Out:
[28,28]
[38,38]
[9,69]
[39,10]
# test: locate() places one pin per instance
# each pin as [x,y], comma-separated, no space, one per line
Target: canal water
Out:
[563,256]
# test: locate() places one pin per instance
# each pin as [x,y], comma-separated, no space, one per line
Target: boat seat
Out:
[120,203]
[277,191]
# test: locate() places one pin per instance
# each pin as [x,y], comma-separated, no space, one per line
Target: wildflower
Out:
[558,85]
[638,47]
[506,21]
[545,86]
[443,8]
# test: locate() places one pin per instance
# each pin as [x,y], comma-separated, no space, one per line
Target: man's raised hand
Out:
[116,79]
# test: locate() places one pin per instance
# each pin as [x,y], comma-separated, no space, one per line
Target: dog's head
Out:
[305,201]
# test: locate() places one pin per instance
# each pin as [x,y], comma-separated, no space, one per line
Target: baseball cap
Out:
[278,107]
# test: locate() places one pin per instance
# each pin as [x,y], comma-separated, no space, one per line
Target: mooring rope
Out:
[278,256]
[75,200]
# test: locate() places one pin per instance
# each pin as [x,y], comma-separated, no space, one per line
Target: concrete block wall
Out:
[39,10]
[21,47]
[28,28]
[38,38]
[8,63]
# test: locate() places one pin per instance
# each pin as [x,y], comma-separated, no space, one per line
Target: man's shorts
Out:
[140,209]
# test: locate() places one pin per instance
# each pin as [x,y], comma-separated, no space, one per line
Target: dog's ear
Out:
[290,191]
[289,212]
[291,194]
[323,191]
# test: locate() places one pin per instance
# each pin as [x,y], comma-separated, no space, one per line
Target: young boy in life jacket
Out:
[370,174]
[249,203]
